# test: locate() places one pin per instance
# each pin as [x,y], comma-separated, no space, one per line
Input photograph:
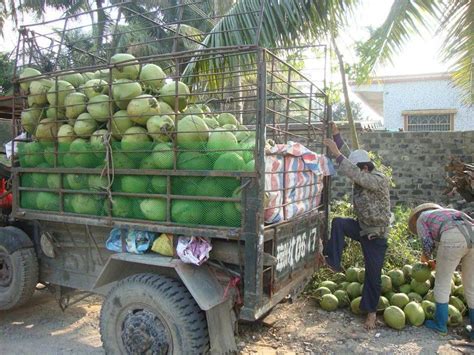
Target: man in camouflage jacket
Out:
[371,200]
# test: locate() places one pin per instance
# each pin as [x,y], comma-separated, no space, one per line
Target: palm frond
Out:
[458,22]
[405,18]
[270,24]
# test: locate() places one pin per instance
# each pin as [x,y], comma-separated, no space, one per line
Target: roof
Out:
[372,93]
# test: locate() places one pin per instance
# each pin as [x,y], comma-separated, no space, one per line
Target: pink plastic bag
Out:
[193,250]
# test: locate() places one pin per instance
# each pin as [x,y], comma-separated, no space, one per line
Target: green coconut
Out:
[120,123]
[354,290]
[207,187]
[429,308]
[192,132]
[213,213]
[82,153]
[25,74]
[194,110]
[98,141]
[230,161]
[421,272]
[66,134]
[193,161]
[407,272]
[99,107]
[361,276]
[342,297]
[454,316]
[56,113]
[134,183]
[400,300]
[75,181]
[355,305]
[142,108]
[124,90]
[38,90]
[75,104]
[86,204]
[386,283]
[329,302]
[165,109]
[186,211]
[75,79]
[154,209]
[159,184]
[394,317]
[211,122]
[47,201]
[320,292]
[421,288]
[102,74]
[163,156]
[85,125]
[47,130]
[397,277]
[28,199]
[123,161]
[405,288]
[343,285]
[415,297]
[58,92]
[227,118]
[221,141]
[122,207]
[459,304]
[173,91]
[30,154]
[329,284]
[152,76]
[382,304]
[232,215]
[30,119]
[95,87]
[97,182]
[136,139]
[352,274]
[125,66]
[429,296]
[160,128]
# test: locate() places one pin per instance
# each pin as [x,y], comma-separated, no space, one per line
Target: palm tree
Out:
[406,17]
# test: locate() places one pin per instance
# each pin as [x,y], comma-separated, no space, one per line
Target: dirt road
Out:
[42,328]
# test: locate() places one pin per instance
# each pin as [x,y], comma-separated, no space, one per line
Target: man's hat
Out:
[415,213]
[359,156]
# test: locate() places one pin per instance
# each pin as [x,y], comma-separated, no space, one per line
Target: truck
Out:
[82,180]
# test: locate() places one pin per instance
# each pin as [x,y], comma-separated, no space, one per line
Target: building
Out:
[424,102]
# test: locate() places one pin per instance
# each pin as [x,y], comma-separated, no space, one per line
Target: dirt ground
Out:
[42,328]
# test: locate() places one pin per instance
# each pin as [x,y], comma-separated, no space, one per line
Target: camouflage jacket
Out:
[371,196]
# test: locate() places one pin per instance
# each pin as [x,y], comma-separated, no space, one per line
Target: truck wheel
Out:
[152,314]
[18,276]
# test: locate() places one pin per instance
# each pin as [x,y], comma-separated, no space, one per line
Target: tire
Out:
[18,277]
[152,314]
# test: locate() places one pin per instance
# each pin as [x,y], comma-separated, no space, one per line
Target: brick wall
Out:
[417,160]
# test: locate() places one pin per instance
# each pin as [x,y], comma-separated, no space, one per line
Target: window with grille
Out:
[432,121]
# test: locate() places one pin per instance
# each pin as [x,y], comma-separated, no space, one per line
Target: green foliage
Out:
[339,112]
[6,73]
[380,166]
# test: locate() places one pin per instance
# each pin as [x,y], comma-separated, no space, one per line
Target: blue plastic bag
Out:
[137,242]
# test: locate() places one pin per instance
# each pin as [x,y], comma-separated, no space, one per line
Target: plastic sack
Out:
[137,242]
[163,245]
[193,250]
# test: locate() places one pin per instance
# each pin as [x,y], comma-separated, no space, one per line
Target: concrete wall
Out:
[424,95]
[417,159]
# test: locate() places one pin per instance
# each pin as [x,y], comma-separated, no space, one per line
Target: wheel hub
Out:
[144,333]
[5,270]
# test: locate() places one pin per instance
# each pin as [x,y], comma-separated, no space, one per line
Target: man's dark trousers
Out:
[374,254]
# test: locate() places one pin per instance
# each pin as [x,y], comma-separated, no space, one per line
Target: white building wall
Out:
[424,95]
